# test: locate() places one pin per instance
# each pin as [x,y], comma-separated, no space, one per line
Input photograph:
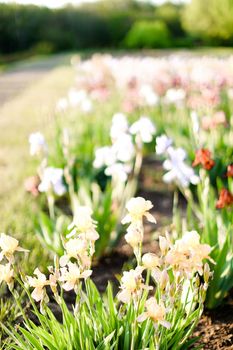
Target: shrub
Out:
[43,48]
[148,34]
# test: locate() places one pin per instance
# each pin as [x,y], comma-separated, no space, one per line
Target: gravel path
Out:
[23,74]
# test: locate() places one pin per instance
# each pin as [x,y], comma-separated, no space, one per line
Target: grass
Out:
[31,111]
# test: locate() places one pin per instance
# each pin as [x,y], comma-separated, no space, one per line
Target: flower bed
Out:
[159,127]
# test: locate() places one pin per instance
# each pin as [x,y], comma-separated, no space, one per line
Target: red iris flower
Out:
[225,199]
[203,157]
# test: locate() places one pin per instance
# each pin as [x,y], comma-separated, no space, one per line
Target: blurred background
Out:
[30,27]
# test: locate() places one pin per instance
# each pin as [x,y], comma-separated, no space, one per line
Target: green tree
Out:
[209,19]
[170,13]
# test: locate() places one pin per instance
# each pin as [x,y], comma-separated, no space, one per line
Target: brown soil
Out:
[215,328]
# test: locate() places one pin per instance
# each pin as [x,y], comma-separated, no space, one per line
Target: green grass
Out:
[32,110]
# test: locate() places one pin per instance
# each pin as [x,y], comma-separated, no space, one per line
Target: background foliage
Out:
[210,19]
[115,24]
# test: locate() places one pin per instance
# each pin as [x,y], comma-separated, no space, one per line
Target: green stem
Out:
[50,198]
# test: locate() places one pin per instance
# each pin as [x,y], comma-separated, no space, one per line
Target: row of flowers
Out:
[118,163]
[194,168]
[148,82]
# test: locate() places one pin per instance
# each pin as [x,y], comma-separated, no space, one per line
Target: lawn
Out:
[31,110]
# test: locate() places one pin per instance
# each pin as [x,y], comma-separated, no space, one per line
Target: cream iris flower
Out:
[156,312]
[150,261]
[38,283]
[137,208]
[134,234]
[84,224]
[71,275]
[75,248]
[9,246]
[131,285]
[6,275]
[188,254]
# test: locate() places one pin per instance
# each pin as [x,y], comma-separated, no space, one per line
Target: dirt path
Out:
[23,74]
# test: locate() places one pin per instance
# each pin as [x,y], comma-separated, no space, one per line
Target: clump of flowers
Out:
[76,98]
[178,266]
[187,254]
[82,246]
[120,159]
[163,295]
[211,122]
[131,285]
[74,265]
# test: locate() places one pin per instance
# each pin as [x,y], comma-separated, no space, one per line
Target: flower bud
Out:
[202,293]
[164,279]
[197,282]
[163,245]
[150,260]
[134,235]
[206,273]
[172,290]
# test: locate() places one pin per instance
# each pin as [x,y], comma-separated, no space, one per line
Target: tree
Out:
[209,19]
[171,14]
